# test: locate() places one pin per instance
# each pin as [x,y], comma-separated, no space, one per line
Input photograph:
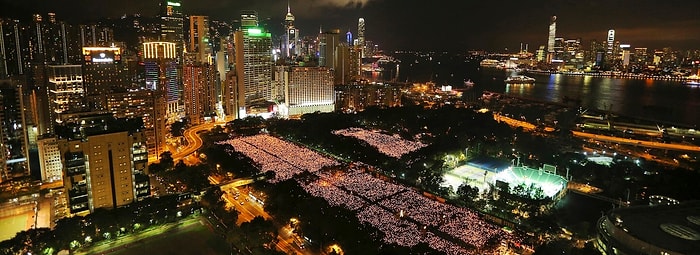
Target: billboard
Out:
[102,55]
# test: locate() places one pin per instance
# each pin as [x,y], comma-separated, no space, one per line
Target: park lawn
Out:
[11,225]
[197,239]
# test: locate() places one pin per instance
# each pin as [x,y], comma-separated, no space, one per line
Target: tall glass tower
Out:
[550,39]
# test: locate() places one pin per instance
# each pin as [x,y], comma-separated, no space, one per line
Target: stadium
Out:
[672,229]
[483,172]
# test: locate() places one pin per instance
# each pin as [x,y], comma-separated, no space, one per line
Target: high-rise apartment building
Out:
[199,42]
[102,164]
[96,35]
[149,105]
[328,42]
[13,136]
[50,159]
[199,95]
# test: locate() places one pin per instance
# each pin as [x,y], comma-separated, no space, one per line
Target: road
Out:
[642,143]
[249,209]
[604,138]
[194,142]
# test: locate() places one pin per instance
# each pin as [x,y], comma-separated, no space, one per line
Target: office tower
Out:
[641,56]
[96,35]
[307,89]
[328,41]
[49,159]
[229,94]
[65,90]
[348,38]
[361,34]
[149,105]
[610,41]
[102,73]
[13,136]
[102,162]
[344,62]
[249,18]
[172,24]
[558,50]
[199,38]
[540,55]
[161,67]
[551,38]
[199,94]
[572,52]
[253,65]
[291,35]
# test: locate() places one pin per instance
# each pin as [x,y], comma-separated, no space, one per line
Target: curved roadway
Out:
[194,142]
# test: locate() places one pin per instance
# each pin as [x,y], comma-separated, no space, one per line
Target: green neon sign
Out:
[254,31]
[173,3]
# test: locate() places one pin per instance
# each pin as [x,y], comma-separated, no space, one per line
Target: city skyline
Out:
[413,25]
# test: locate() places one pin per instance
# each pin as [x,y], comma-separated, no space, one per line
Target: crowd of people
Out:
[390,145]
[363,184]
[460,223]
[332,194]
[404,216]
[282,157]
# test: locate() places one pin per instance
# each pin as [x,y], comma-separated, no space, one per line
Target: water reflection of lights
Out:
[519,88]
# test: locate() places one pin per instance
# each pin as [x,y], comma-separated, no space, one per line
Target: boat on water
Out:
[469,83]
[692,83]
[520,79]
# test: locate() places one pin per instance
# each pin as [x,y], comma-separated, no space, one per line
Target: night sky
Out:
[438,25]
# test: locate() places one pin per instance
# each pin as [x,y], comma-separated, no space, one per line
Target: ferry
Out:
[692,83]
[520,79]
[468,83]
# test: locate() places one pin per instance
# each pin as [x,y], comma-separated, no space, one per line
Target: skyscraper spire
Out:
[289,9]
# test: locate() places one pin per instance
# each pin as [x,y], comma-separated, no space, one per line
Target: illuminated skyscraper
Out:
[149,105]
[102,72]
[200,91]
[550,40]
[307,89]
[160,62]
[361,34]
[96,35]
[611,41]
[171,26]
[199,38]
[328,42]
[66,91]
[291,35]
[253,47]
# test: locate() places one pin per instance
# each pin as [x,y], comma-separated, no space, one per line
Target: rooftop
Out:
[671,227]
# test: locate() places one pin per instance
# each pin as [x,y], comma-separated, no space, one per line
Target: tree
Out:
[166,160]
